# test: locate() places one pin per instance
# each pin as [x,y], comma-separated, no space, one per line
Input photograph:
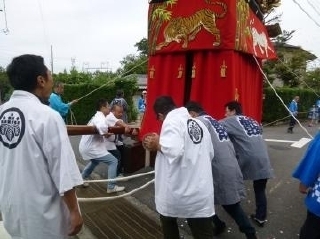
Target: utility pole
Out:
[51,59]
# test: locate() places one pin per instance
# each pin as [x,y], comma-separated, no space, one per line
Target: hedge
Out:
[273,109]
[84,109]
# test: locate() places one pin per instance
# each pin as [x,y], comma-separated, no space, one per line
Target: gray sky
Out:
[99,33]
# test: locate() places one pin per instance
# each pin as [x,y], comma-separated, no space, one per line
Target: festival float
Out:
[207,51]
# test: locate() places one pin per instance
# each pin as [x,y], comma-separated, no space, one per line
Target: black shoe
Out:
[289,131]
[258,222]
[220,229]
[251,236]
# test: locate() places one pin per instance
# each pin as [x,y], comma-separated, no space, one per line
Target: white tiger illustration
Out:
[260,40]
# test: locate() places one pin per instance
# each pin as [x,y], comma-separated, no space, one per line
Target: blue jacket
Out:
[308,172]
[57,104]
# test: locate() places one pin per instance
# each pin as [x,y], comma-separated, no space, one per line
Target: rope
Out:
[119,179]
[103,199]
[275,121]
[310,88]
[72,116]
[113,80]
[285,106]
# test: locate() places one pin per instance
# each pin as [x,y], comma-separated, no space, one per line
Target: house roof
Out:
[293,47]
[141,80]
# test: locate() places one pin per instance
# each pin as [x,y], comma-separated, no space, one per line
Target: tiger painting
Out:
[185,29]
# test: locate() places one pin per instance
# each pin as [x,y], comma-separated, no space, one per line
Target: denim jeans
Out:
[116,153]
[239,216]
[201,228]
[259,187]
[112,163]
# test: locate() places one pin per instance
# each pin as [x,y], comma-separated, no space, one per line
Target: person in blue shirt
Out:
[293,107]
[308,173]
[56,102]
[318,109]
[142,102]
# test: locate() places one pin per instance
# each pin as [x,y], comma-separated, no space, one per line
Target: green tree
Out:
[135,64]
[142,46]
[312,79]
[290,67]
[5,87]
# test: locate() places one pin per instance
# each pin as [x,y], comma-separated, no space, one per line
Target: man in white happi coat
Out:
[93,148]
[38,170]
[227,177]
[183,176]
[252,154]
[114,145]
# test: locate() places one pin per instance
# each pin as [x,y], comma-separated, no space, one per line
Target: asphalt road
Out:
[286,210]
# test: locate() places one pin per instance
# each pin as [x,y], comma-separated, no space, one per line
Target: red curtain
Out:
[223,76]
[188,62]
[166,76]
[216,78]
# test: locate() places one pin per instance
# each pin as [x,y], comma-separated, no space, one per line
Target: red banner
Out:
[203,50]
[185,25]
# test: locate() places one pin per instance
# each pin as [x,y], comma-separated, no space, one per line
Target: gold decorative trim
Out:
[180,72]
[223,69]
[152,72]
[193,73]
[236,95]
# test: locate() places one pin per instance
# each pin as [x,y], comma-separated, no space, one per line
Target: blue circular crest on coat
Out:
[195,131]
[12,127]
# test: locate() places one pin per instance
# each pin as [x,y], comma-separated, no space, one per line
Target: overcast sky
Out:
[99,33]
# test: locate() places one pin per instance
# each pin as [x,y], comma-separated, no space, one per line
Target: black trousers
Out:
[117,154]
[292,123]
[239,216]
[201,228]
[259,187]
[311,227]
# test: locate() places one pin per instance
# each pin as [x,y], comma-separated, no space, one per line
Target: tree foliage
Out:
[312,79]
[5,87]
[135,64]
[290,67]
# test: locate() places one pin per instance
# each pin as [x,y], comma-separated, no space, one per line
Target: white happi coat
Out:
[94,146]
[37,166]
[111,140]
[183,177]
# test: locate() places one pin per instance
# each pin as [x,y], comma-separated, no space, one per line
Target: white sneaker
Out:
[85,185]
[115,189]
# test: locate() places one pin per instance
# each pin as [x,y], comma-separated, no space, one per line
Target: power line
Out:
[306,13]
[314,7]
[6,29]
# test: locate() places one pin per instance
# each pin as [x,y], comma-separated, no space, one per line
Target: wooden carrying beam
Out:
[85,129]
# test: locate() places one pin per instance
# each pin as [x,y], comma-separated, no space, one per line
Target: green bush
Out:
[274,110]
[82,111]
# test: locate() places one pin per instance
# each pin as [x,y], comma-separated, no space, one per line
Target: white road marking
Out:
[302,142]
[275,186]
[296,144]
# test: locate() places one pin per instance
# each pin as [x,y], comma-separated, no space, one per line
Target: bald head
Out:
[117,110]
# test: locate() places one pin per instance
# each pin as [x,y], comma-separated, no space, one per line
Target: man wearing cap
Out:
[142,103]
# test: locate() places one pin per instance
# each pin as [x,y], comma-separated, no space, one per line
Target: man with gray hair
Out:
[56,102]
